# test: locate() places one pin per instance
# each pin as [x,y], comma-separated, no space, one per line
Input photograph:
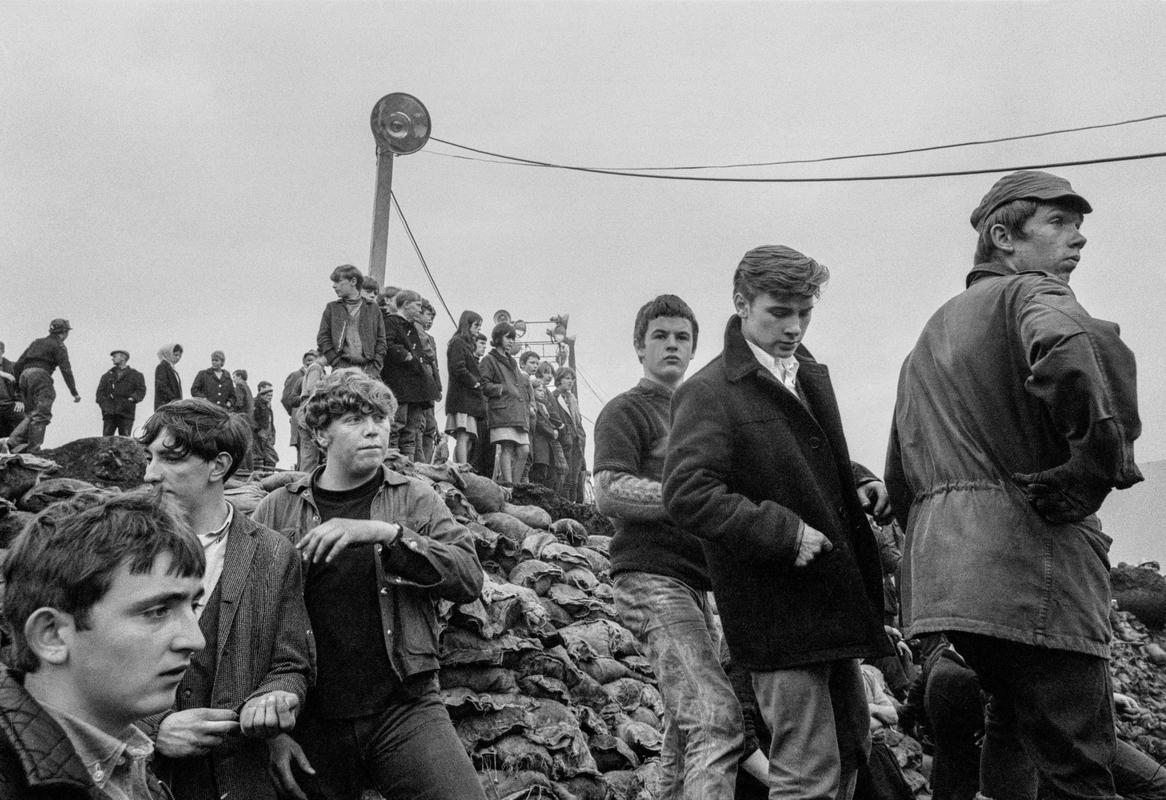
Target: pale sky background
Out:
[192,172]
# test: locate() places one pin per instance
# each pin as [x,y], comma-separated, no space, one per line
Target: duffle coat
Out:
[748,461]
[1011,377]
[464,395]
[506,400]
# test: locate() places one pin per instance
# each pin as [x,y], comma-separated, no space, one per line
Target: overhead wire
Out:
[820,179]
[877,154]
[420,257]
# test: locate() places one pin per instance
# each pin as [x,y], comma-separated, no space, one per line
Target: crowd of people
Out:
[162,642]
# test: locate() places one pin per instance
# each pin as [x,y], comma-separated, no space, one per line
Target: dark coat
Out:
[263,643]
[167,384]
[37,760]
[747,463]
[572,436]
[507,404]
[119,391]
[220,391]
[464,395]
[1012,377]
[330,336]
[406,369]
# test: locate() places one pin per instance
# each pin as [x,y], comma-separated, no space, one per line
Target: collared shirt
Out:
[784,369]
[214,545]
[119,766]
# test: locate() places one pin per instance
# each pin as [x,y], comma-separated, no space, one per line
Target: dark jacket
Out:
[1012,377]
[8,391]
[506,402]
[263,643]
[47,353]
[437,551]
[406,370]
[464,395]
[37,760]
[748,462]
[167,384]
[572,436]
[330,336]
[119,391]
[220,391]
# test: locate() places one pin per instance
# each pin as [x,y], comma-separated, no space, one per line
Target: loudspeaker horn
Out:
[500,316]
[519,328]
[400,123]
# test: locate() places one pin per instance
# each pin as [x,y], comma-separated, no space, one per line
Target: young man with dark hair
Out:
[661,581]
[758,468]
[429,430]
[381,551]
[1016,415]
[352,330]
[34,375]
[118,392]
[216,384]
[99,603]
[251,681]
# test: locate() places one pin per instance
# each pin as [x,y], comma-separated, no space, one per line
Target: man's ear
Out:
[47,632]
[1002,239]
[219,466]
[741,305]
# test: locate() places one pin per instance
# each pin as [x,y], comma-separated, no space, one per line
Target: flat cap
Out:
[59,325]
[125,353]
[1027,184]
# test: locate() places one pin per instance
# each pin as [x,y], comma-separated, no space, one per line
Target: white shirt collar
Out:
[784,369]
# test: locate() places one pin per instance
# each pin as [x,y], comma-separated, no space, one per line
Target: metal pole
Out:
[380,216]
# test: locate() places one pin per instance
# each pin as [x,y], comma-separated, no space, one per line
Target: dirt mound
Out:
[101,460]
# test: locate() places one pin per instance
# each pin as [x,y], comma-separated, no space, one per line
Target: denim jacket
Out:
[433,558]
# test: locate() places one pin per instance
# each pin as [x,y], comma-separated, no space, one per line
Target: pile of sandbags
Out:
[1138,663]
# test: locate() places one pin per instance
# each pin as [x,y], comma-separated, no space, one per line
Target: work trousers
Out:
[407,429]
[116,424]
[36,388]
[819,720]
[409,750]
[703,727]
[1051,707]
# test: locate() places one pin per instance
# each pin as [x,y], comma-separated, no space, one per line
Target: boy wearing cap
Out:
[1016,415]
[34,374]
[118,392]
[263,446]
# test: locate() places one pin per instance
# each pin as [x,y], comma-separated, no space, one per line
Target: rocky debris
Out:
[101,460]
[1140,590]
[1134,651]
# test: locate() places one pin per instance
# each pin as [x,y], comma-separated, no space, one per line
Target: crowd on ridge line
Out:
[511,414]
[163,644]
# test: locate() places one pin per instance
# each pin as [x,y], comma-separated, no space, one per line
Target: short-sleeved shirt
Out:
[631,436]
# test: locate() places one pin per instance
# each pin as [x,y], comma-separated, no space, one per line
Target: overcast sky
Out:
[192,172]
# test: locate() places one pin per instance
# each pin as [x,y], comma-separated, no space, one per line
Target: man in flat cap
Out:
[34,376]
[1016,415]
[118,393]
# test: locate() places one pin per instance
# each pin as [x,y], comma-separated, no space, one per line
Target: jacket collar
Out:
[46,755]
[304,484]
[996,269]
[739,359]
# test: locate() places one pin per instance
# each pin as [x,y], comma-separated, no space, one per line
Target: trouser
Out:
[409,750]
[819,720]
[955,714]
[703,727]
[1051,707]
[36,388]
[263,451]
[429,433]
[310,453]
[407,428]
[116,424]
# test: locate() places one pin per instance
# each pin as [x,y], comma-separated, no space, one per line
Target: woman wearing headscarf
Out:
[167,384]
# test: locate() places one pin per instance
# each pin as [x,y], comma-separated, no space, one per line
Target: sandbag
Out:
[596,560]
[490,727]
[245,498]
[533,516]
[604,637]
[462,701]
[536,575]
[564,555]
[600,543]
[513,753]
[545,686]
[485,495]
[278,480]
[54,490]
[581,578]
[511,527]
[455,501]
[533,545]
[494,680]
[521,785]
[569,531]
[612,753]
